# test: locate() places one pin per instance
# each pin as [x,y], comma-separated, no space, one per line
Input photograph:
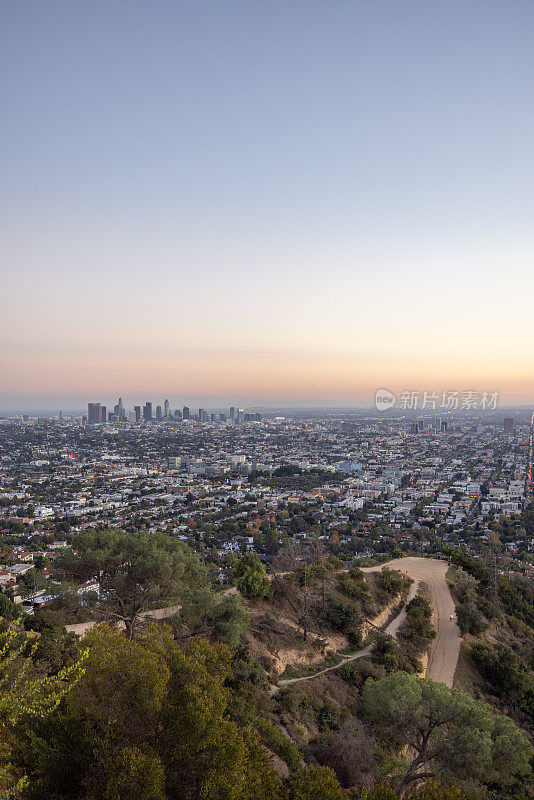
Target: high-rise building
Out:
[120,411]
[96,413]
[186,414]
[147,411]
[137,412]
[222,417]
[166,409]
[508,424]
[159,413]
[132,417]
[232,413]
[202,415]
[177,414]
[240,416]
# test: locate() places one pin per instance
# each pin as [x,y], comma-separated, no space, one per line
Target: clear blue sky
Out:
[268,200]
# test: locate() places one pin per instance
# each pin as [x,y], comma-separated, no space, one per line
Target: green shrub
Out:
[273,738]
[470,620]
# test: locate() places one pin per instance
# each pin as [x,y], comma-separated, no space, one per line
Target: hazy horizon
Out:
[72,404]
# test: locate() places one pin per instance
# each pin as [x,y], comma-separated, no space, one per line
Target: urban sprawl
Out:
[226,482]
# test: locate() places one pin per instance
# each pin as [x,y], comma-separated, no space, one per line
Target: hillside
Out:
[495,613]
[314,615]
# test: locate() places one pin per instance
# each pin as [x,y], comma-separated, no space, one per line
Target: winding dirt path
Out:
[391,629]
[445,648]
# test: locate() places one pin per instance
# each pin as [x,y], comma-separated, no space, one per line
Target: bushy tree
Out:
[222,618]
[149,720]
[507,674]
[416,632]
[8,609]
[391,582]
[449,735]
[315,783]
[470,620]
[434,791]
[464,584]
[135,571]
[25,692]
[251,578]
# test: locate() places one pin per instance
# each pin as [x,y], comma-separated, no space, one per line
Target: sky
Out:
[277,203]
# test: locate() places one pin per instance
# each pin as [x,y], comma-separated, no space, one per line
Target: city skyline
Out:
[289,204]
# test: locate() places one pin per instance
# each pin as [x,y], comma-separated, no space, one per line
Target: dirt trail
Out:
[391,629]
[445,648]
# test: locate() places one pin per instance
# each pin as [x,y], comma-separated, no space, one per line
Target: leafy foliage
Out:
[470,620]
[220,618]
[449,734]
[275,740]
[135,571]
[315,783]
[251,578]
[507,674]
[464,584]
[159,709]
[24,693]
[8,609]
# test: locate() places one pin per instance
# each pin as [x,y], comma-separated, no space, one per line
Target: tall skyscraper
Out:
[232,413]
[137,411]
[159,414]
[147,411]
[93,413]
[508,424]
[177,414]
[166,409]
[202,415]
[96,413]
[119,411]
[186,414]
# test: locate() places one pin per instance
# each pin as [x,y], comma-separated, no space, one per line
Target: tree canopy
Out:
[135,571]
[251,578]
[449,735]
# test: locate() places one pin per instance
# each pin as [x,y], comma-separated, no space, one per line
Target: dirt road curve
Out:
[446,646]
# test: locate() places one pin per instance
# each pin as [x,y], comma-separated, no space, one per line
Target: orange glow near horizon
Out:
[269,377]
